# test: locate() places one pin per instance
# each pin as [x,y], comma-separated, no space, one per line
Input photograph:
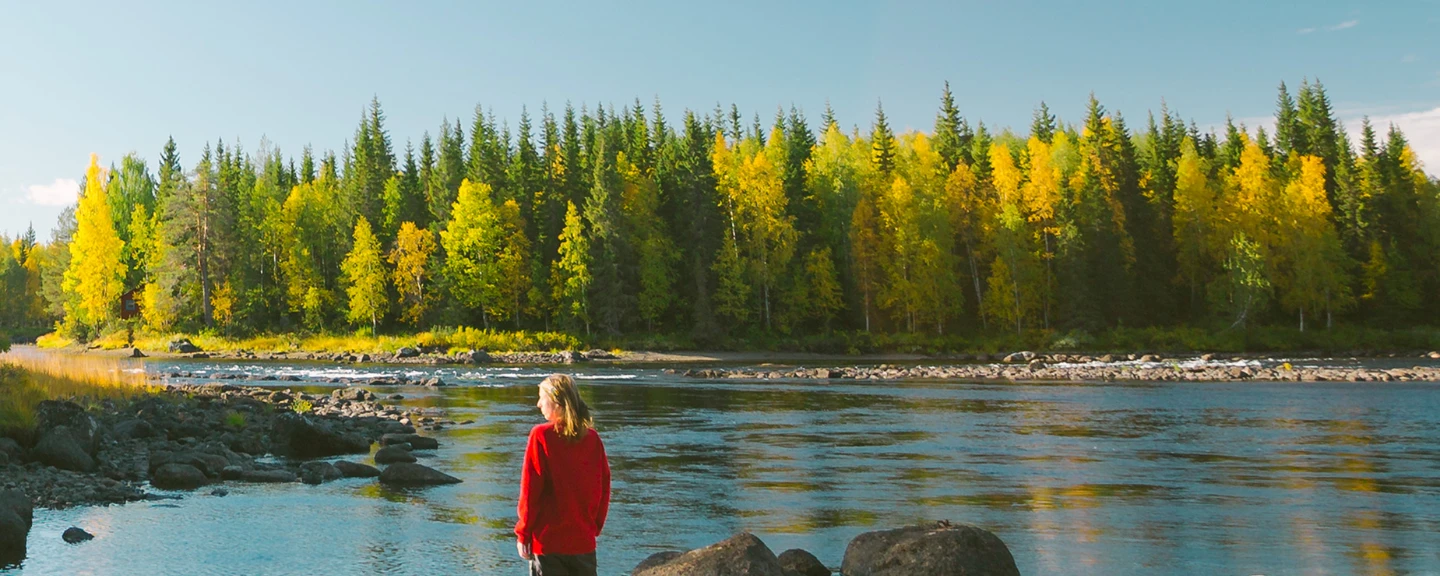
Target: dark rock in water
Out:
[415,441]
[268,476]
[476,357]
[410,474]
[135,353]
[74,535]
[354,470]
[654,560]
[183,346]
[319,472]
[219,492]
[393,454]
[742,554]
[937,549]
[433,381]
[58,447]
[423,443]
[407,352]
[297,436]
[175,476]
[798,562]
[132,429]
[16,515]
[397,396]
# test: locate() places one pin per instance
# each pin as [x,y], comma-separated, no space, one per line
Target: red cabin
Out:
[129,304]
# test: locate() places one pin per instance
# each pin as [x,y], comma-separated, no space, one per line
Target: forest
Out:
[711,228]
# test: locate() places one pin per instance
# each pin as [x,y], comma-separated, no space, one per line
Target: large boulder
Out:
[319,472]
[798,562]
[16,515]
[300,437]
[476,357]
[76,535]
[935,549]
[175,476]
[740,555]
[61,448]
[51,414]
[355,470]
[407,352]
[393,455]
[654,560]
[411,474]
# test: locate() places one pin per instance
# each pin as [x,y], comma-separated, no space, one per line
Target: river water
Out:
[1113,478]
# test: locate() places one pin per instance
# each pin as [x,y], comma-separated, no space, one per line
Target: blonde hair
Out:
[574,416]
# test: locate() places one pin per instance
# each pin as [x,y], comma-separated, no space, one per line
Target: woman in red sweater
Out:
[564,487]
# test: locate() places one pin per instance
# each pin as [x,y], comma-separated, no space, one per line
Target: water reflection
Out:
[1077,478]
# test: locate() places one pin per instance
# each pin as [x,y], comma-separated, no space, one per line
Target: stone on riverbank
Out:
[16,515]
[59,447]
[740,555]
[268,476]
[75,535]
[299,437]
[411,474]
[355,470]
[393,454]
[183,346]
[936,549]
[797,562]
[654,560]
[415,441]
[319,472]
[174,476]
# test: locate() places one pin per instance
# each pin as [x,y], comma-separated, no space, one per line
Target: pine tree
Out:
[570,273]
[948,123]
[882,146]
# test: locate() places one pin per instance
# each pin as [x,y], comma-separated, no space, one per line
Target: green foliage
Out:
[235,420]
[651,230]
[302,406]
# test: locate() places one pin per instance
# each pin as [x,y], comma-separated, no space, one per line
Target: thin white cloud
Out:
[1334,28]
[1421,129]
[61,192]
[1408,58]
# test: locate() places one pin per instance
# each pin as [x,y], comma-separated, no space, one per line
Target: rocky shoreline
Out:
[1029,366]
[186,437]
[412,355]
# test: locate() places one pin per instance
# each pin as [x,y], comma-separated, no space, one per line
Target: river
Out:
[1112,478]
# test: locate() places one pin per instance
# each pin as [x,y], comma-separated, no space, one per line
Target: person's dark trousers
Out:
[563,565]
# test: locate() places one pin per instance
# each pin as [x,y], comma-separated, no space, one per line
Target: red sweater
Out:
[564,492]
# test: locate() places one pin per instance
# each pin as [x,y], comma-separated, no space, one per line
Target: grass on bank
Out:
[28,377]
[1340,339]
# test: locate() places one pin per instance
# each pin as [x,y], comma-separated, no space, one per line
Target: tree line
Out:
[619,222]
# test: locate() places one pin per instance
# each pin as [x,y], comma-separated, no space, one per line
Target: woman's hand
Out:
[523,548]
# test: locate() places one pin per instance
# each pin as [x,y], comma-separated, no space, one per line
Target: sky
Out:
[112,78]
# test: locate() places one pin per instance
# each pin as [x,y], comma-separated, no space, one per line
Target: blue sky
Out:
[111,78]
